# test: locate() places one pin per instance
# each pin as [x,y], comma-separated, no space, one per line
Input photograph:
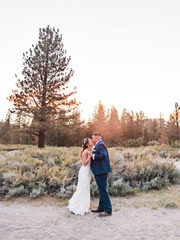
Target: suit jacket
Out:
[100,164]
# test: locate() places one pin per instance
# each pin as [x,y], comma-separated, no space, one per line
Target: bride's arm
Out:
[85,158]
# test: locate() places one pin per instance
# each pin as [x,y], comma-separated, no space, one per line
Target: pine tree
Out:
[161,120]
[123,123]
[42,93]
[6,129]
[99,120]
[140,119]
[163,139]
[113,127]
[173,124]
[176,118]
[127,125]
[77,129]
[138,126]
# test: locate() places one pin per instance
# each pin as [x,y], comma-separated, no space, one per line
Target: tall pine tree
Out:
[41,94]
[113,127]
[174,123]
[99,120]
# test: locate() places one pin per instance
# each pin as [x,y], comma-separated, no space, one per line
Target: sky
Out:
[125,53]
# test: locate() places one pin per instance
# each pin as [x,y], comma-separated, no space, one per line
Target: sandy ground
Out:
[35,220]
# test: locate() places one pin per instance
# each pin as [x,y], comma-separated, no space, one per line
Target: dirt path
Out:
[21,221]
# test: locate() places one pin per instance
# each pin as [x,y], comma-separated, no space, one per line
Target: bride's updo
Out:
[84,144]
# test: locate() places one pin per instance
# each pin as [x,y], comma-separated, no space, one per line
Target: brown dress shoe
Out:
[97,210]
[105,214]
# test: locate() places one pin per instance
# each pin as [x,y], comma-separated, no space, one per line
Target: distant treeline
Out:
[130,129]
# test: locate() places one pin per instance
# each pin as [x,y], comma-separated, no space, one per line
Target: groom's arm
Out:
[100,153]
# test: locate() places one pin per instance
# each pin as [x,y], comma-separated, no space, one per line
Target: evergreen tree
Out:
[173,124]
[163,139]
[127,125]
[77,129]
[123,123]
[42,93]
[138,126]
[6,127]
[99,120]
[162,121]
[140,119]
[175,117]
[113,127]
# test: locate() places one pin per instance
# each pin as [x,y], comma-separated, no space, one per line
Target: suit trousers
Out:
[104,200]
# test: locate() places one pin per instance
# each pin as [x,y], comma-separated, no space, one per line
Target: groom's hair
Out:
[97,134]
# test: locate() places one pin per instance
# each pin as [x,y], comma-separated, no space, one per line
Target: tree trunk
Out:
[41,139]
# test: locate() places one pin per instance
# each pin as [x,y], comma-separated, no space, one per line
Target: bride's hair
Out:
[84,144]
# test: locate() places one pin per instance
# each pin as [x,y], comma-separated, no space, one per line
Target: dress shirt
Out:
[93,149]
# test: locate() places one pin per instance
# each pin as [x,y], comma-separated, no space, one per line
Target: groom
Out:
[100,166]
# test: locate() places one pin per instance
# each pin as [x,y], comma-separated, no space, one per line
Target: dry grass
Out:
[161,198]
[169,197]
[41,201]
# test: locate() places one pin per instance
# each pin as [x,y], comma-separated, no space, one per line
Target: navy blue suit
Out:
[100,166]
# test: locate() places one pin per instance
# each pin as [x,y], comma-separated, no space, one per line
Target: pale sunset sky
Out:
[124,52]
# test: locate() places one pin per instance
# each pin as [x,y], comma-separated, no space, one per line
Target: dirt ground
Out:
[134,218]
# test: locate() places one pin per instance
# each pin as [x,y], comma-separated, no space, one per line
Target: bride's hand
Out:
[90,153]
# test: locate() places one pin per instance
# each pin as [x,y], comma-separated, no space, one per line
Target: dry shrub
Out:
[54,170]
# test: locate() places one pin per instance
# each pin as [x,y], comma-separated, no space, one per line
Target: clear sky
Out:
[124,52]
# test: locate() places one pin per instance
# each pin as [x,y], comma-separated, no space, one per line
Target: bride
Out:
[80,201]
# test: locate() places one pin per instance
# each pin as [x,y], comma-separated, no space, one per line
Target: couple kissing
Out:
[95,159]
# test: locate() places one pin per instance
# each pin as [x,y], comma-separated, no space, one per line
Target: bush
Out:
[140,141]
[167,203]
[175,154]
[9,177]
[36,192]
[66,192]
[17,191]
[94,188]
[150,175]
[175,144]
[144,169]
[153,143]
[121,188]
[54,171]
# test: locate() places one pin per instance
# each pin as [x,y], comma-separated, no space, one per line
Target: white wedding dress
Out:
[80,201]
